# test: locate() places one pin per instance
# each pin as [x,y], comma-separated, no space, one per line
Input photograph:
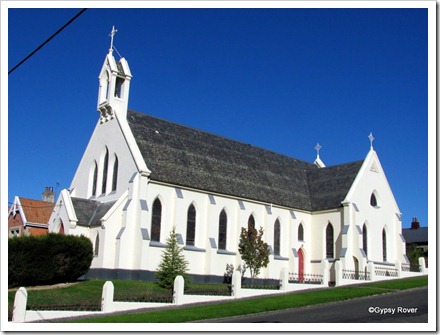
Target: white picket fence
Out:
[108,305]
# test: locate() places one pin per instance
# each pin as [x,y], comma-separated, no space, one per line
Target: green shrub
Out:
[47,259]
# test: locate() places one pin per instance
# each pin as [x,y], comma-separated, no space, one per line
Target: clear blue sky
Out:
[281,79]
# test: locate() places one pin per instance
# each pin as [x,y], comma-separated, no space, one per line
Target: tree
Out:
[173,263]
[254,251]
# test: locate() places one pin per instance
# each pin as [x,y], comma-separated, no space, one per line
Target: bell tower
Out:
[114,85]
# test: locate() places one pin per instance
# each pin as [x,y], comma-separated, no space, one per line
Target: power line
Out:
[45,42]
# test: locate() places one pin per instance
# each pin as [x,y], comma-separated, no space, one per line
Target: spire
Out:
[318,162]
[371,138]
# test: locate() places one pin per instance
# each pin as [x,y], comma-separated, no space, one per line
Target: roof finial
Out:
[317,148]
[318,162]
[112,33]
[371,138]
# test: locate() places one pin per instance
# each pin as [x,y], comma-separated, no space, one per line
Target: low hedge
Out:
[47,259]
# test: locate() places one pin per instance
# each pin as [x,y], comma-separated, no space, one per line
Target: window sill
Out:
[193,248]
[157,244]
[280,258]
[225,252]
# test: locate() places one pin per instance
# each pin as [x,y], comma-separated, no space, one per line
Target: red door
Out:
[300,266]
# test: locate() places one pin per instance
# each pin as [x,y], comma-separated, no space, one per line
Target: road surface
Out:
[410,306]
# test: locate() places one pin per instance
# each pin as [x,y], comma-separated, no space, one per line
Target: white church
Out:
[141,175]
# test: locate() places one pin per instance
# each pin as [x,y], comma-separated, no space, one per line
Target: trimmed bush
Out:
[47,259]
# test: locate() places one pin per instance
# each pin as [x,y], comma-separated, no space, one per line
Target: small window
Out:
[95,179]
[373,200]
[97,245]
[300,232]
[384,245]
[364,239]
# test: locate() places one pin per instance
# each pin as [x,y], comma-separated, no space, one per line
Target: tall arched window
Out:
[276,238]
[329,241]
[300,232]
[104,172]
[384,245]
[251,222]
[95,178]
[115,173]
[97,245]
[364,239]
[191,225]
[222,230]
[156,218]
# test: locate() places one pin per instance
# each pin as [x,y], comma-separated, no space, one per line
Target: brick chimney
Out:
[415,224]
[48,194]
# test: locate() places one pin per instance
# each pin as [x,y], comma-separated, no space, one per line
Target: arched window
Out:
[300,232]
[97,245]
[373,200]
[95,178]
[156,218]
[104,172]
[276,238]
[364,239]
[115,173]
[329,241]
[251,222]
[222,229]
[191,225]
[384,245]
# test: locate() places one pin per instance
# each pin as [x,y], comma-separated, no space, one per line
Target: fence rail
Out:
[305,278]
[411,268]
[355,275]
[385,271]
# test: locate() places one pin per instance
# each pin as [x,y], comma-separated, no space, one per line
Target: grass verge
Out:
[262,304]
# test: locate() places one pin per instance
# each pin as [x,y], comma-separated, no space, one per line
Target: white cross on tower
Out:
[371,140]
[112,33]
[317,148]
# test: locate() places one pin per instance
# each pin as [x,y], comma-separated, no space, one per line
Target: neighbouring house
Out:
[416,239]
[141,175]
[29,216]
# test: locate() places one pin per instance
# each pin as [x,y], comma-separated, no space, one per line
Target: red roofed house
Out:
[31,217]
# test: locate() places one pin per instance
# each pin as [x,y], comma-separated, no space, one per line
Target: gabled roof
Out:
[419,235]
[33,211]
[188,157]
[90,212]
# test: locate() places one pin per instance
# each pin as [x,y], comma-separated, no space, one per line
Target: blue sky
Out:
[282,79]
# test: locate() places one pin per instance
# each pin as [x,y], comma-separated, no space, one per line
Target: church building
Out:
[140,176]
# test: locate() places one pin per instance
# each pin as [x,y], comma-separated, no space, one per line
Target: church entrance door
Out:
[300,266]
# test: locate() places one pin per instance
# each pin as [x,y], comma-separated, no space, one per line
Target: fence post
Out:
[20,302]
[108,291]
[325,272]
[284,279]
[338,273]
[398,266]
[422,265]
[236,284]
[178,290]
[370,268]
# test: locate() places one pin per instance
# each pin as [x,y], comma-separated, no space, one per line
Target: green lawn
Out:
[263,304]
[87,295]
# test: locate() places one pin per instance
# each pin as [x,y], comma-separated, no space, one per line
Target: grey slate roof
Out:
[184,156]
[90,212]
[418,236]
